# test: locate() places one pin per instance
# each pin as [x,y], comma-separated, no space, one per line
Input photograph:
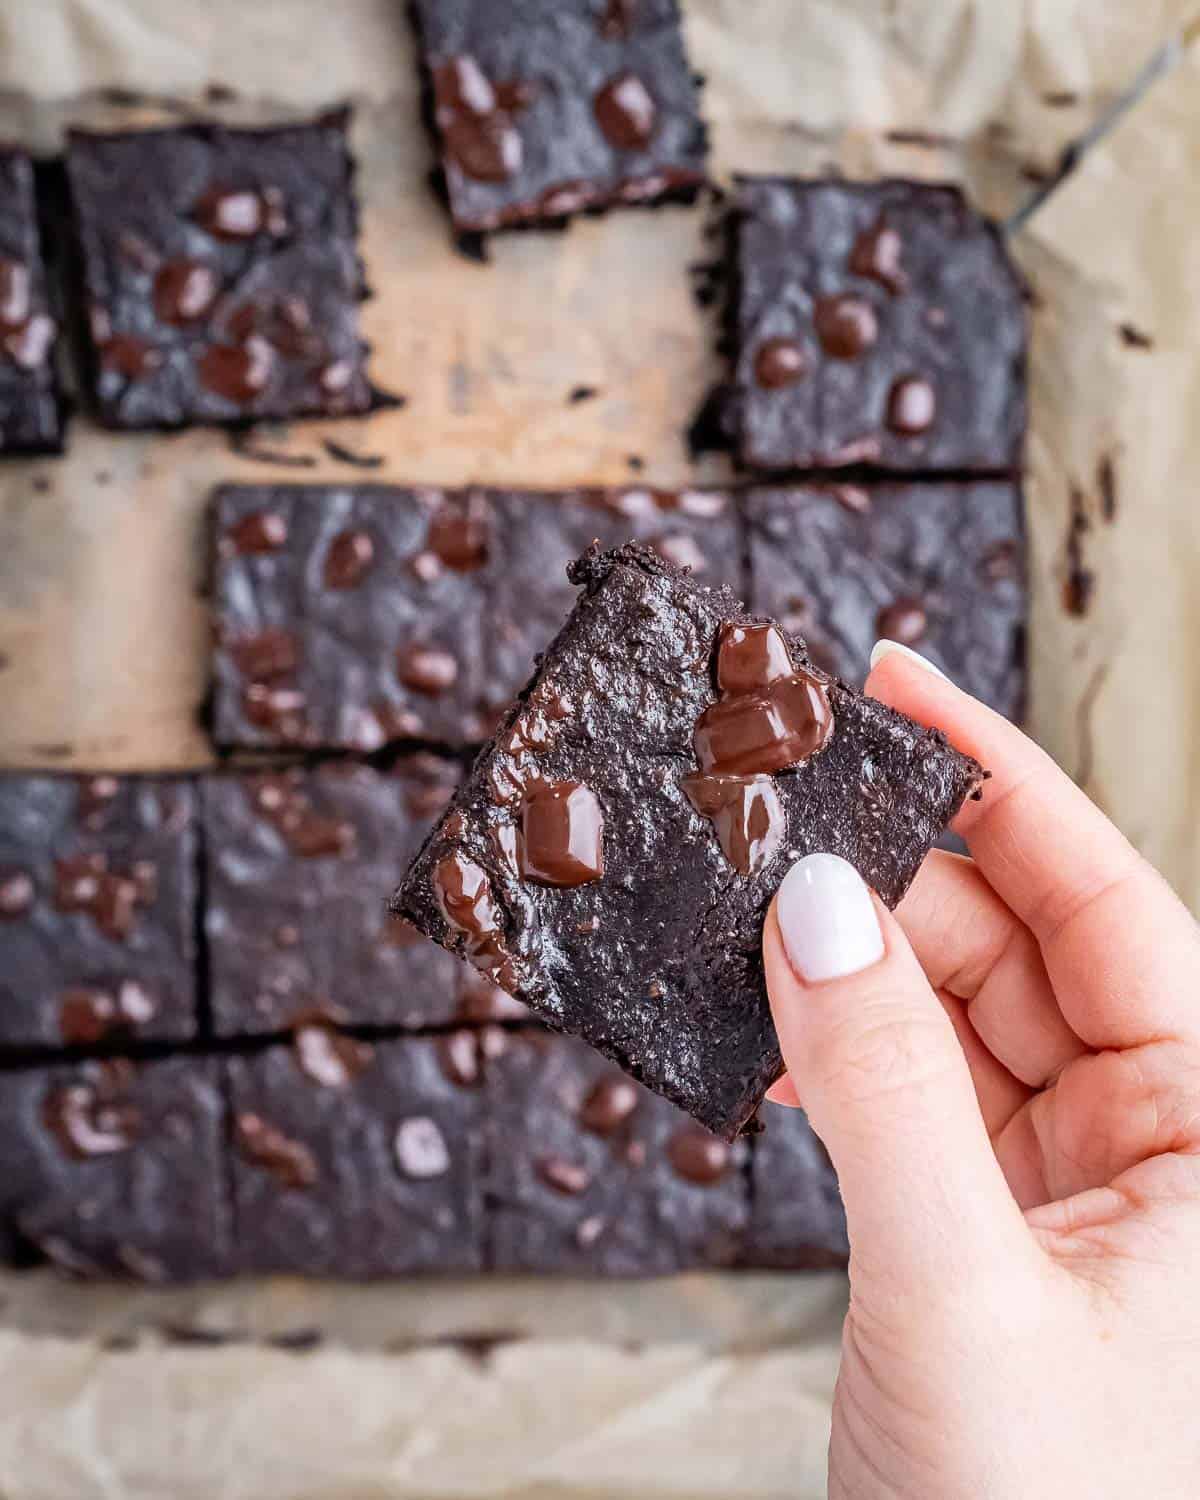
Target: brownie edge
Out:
[575,869]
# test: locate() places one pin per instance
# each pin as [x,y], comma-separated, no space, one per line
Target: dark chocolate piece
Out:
[31,412]
[797,1221]
[658,963]
[376,1171]
[220,271]
[872,323]
[97,909]
[546,110]
[293,857]
[939,567]
[592,1174]
[352,617]
[116,1169]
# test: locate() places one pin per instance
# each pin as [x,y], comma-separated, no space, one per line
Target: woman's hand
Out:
[1006,1073]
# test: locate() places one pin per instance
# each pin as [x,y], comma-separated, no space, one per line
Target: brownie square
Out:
[545,108]
[592,1174]
[358,1161]
[350,617]
[31,416]
[97,909]
[797,1221]
[872,323]
[116,1169]
[612,854]
[940,567]
[292,859]
[220,272]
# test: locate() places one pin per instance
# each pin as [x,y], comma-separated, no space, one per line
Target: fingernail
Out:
[827,919]
[893,648]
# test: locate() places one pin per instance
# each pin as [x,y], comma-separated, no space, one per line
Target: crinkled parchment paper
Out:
[705,1385]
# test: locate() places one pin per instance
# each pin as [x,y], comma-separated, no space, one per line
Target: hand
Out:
[1006,1073]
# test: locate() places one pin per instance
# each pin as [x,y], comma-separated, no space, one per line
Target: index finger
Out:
[1121,950]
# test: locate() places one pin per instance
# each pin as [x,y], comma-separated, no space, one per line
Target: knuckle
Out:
[884,1051]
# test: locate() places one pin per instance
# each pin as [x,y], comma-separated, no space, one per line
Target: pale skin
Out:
[1011,1095]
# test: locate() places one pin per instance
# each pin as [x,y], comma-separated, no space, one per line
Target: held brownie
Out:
[359,1161]
[545,108]
[31,419]
[940,567]
[797,1221]
[97,909]
[116,1169]
[220,271]
[872,323]
[351,617]
[591,1174]
[612,855]
[289,854]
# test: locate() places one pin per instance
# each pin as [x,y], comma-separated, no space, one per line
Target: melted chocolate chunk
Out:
[184,291]
[270,653]
[698,1156]
[16,895]
[770,716]
[263,1145]
[327,1056]
[261,531]
[681,551]
[15,293]
[130,357]
[458,1055]
[91,1120]
[238,372]
[780,362]
[562,834]
[426,669]
[458,534]
[307,833]
[96,794]
[464,894]
[616,23]
[87,1016]
[349,559]
[877,254]
[421,1149]
[280,709]
[241,214]
[912,406]
[479,134]
[84,883]
[846,325]
[626,112]
[904,620]
[747,815]
[610,1103]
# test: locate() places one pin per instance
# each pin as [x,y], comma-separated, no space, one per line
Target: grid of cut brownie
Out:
[220,274]
[553,107]
[31,417]
[876,324]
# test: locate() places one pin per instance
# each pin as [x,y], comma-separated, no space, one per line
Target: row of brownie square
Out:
[216,271]
[350,617]
[159,909]
[488,1151]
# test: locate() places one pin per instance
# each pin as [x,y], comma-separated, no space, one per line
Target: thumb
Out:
[880,1072]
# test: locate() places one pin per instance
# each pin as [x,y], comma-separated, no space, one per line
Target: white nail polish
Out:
[893,648]
[827,919]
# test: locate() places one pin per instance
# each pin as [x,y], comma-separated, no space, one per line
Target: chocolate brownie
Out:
[350,617]
[97,909]
[359,1161]
[220,272]
[116,1169]
[289,855]
[797,1221]
[611,857]
[940,567]
[31,417]
[591,1174]
[872,323]
[544,108]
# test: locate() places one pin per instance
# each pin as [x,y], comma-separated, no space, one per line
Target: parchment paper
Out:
[102,663]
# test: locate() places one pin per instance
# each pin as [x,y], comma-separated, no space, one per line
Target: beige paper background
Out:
[102,632]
